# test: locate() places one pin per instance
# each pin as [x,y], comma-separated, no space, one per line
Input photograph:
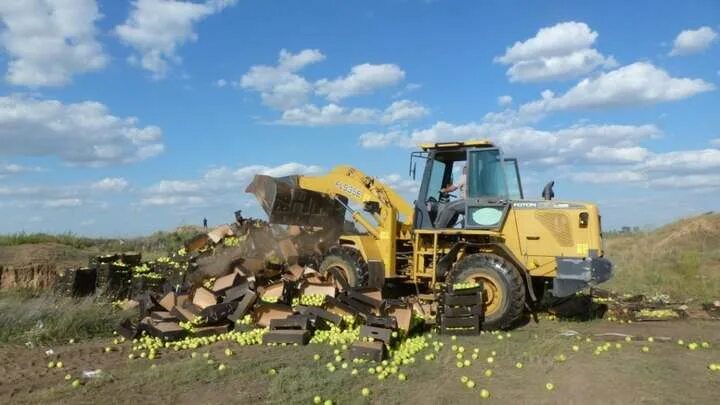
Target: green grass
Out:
[47,318]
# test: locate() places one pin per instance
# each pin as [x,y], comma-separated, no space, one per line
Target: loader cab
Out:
[490,183]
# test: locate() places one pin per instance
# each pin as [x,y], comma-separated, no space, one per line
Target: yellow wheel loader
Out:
[519,248]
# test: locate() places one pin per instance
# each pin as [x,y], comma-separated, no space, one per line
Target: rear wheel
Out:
[503,287]
[349,263]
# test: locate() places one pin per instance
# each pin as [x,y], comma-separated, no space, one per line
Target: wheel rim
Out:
[492,293]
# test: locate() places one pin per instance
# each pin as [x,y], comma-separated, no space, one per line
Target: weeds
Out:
[42,319]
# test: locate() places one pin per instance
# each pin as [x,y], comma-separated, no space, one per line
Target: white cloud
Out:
[605,154]
[362,79]
[331,114]
[110,184]
[504,101]
[637,84]
[572,144]
[63,203]
[715,142]
[693,41]
[215,184]
[155,29]
[12,168]
[279,86]
[220,83]
[695,181]
[49,41]
[404,110]
[192,201]
[690,160]
[401,184]
[381,140]
[81,133]
[604,177]
[560,52]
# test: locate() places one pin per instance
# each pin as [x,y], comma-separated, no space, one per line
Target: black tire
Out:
[505,279]
[349,262]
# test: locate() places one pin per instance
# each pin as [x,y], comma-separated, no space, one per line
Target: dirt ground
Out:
[666,373]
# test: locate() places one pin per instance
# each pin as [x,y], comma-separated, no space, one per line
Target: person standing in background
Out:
[205,223]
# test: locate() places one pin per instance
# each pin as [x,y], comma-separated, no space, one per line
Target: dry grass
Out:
[681,259]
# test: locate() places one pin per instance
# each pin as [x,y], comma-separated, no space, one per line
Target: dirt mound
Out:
[699,232]
[36,265]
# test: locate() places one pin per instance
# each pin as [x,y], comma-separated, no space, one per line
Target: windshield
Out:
[486,175]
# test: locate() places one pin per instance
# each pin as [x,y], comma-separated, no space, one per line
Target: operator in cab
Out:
[448,216]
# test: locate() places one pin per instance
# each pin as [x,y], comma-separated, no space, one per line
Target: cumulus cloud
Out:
[110,184]
[83,133]
[49,41]
[573,144]
[333,114]
[636,84]
[693,41]
[404,110]
[278,85]
[691,160]
[155,29]
[363,79]
[605,154]
[218,181]
[560,52]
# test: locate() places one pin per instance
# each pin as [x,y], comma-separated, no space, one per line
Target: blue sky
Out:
[121,118]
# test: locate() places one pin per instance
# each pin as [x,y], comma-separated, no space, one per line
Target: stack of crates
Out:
[460,311]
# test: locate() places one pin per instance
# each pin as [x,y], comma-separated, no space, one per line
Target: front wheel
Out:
[349,263]
[503,287]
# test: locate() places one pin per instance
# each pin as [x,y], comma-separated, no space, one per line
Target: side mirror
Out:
[548,193]
[414,167]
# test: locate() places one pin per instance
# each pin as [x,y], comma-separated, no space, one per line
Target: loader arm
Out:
[323,200]
[309,200]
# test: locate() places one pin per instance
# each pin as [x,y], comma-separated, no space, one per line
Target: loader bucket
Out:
[287,204]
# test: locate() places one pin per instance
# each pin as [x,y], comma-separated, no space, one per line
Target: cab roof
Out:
[482,143]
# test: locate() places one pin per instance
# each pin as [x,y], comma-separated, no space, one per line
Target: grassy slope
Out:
[681,259]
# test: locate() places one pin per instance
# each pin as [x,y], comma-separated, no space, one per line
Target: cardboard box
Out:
[289,336]
[308,288]
[374,351]
[218,312]
[403,316]
[166,330]
[163,316]
[217,234]
[211,330]
[382,334]
[168,302]
[225,282]
[274,290]
[294,272]
[235,293]
[243,307]
[267,312]
[204,298]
